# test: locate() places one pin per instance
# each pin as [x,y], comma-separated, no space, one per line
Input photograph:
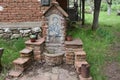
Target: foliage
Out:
[103,7]
[116,7]
[97,43]
[11,52]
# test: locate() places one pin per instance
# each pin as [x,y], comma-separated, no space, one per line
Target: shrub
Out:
[104,7]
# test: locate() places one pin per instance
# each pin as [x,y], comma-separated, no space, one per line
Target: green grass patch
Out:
[97,43]
[11,52]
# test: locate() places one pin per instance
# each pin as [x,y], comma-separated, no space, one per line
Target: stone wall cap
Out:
[20,24]
[20,61]
[26,51]
[53,55]
[74,42]
[56,4]
[38,42]
[80,53]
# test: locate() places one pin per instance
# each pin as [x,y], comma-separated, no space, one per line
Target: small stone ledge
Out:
[37,43]
[54,55]
[19,25]
[76,42]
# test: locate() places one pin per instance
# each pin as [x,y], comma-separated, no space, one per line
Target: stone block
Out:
[81,78]
[80,56]
[53,59]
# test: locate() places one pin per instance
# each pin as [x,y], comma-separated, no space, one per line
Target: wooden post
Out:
[1,52]
[80,8]
[83,12]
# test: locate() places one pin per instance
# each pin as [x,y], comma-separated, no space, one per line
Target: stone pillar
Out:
[85,70]
[1,52]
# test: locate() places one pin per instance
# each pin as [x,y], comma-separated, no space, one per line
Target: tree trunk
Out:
[109,2]
[109,9]
[97,4]
[1,52]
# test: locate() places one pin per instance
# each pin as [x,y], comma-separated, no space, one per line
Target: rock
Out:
[54,77]
[15,31]
[36,29]
[6,35]
[7,30]
[55,70]
[25,31]
[1,31]
[1,35]
[15,36]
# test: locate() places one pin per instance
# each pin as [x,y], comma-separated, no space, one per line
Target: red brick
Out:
[17,7]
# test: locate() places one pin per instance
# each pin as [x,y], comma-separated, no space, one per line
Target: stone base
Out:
[53,59]
[81,78]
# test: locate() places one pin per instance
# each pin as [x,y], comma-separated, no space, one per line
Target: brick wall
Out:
[20,10]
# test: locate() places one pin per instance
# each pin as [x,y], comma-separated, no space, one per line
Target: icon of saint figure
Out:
[54,28]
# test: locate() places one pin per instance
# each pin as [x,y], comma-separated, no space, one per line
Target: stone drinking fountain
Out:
[55,21]
[52,49]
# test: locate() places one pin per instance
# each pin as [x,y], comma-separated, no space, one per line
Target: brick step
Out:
[14,73]
[26,52]
[22,63]
[80,56]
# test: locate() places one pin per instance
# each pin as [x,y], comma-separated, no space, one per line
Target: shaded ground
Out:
[112,69]
[44,72]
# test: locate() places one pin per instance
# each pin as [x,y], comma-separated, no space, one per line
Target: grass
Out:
[11,52]
[96,44]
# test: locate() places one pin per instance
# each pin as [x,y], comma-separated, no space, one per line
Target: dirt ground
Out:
[112,68]
[42,71]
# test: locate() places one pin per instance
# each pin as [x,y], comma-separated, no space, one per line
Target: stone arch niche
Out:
[55,18]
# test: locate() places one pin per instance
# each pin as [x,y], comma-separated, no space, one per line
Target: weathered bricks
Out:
[70,58]
[78,65]
[80,56]
[71,48]
[21,10]
[22,63]
[15,73]
[37,47]
[26,53]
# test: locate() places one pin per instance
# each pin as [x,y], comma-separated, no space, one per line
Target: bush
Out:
[104,7]
[116,7]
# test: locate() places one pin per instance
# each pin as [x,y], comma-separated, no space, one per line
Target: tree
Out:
[109,2]
[97,4]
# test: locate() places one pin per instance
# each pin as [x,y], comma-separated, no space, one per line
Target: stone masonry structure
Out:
[20,10]
[17,17]
[52,49]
